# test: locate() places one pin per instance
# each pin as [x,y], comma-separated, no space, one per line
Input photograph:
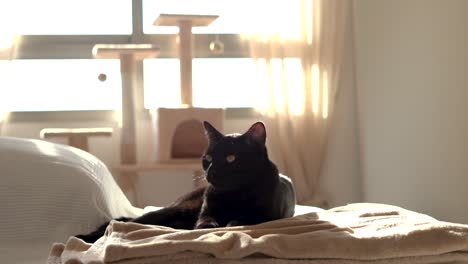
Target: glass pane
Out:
[216,83]
[240,16]
[59,85]
[71,17]
[224,83]
[161,83]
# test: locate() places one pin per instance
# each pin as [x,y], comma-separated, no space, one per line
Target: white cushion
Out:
[50,191]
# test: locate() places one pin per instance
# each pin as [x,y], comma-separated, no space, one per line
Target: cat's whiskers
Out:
[199,177]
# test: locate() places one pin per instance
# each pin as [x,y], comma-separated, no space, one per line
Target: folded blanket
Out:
[352,233]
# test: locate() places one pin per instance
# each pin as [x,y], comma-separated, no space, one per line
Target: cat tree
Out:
[179,135]
[128,54]
[179,131]
[185,24]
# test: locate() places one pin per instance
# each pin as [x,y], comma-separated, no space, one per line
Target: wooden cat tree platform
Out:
[77,137]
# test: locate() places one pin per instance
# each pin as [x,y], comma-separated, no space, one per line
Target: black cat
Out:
[244,188]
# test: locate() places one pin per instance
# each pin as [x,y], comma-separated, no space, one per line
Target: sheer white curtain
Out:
[6,56]
[299,53]
[9,44]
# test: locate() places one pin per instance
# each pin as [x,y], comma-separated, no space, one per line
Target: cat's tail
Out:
[177,217]
[99,232]
[182,214]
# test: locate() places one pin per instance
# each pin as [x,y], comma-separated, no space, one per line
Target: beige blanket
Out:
[349,234]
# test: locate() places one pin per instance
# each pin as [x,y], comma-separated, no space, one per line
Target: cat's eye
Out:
[230,158]
[208,158]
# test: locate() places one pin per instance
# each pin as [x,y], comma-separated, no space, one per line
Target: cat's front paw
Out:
[206,224]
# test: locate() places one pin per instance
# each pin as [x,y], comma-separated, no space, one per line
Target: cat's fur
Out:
[244,187]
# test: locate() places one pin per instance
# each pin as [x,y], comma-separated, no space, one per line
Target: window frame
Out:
[80,47]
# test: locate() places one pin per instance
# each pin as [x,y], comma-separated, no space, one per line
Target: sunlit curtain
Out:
[7,54]
[298,47]
[9,44]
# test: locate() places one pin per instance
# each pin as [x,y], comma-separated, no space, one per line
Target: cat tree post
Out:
[128,54]
[185,24]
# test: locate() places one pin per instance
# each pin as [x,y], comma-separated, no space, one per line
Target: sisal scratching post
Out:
[169,120]
[128,54]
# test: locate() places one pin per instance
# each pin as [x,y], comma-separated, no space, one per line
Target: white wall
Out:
[412,79]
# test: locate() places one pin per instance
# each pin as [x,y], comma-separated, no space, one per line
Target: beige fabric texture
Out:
[350,234]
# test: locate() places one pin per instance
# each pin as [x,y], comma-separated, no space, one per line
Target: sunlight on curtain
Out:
[9,37]
[325,95]
[9,41]
[283,47]
[308,16]
[285,77]
[293,83]
[297,45]
[4,84]
[315,87]
[7,27]
[7,53]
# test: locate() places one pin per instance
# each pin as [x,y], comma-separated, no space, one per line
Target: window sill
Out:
[103,115]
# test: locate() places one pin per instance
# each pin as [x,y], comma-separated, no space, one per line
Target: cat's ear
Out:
[257,133]
[211,132]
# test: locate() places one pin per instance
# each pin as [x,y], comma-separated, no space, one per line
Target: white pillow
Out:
[50,191]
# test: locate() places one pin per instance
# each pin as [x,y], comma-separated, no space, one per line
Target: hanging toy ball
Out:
[217,47]
[102,77]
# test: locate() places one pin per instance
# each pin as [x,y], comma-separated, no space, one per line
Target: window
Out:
[228,11]
[51,85]
[54,69]
[235,17]
[215,82]
[71,17]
